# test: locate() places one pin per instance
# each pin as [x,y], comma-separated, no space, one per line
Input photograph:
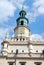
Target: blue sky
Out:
[9,12]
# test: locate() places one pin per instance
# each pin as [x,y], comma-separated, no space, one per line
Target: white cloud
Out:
[42,35]
[8,7]
[19,3]
[6,10]
[41,10]
[36,37]
[31,16]
[39,5]
[36,10]
[3,32]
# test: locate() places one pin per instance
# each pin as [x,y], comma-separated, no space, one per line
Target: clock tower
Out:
[22,29]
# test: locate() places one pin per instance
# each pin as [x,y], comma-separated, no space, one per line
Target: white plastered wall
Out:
[20,48]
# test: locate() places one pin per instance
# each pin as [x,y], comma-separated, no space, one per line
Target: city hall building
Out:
[20,50]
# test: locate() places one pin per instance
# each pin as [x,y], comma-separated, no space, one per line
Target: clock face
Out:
[21,30]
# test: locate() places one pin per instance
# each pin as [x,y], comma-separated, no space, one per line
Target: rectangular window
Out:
[22,63]
[38,63]
[22,22]
[11,63]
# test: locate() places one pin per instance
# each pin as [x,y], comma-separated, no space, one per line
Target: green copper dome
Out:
[22,13]
[22,20]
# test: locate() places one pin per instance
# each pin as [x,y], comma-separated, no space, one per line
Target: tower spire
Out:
[22,7]
[7,35]
[22,29]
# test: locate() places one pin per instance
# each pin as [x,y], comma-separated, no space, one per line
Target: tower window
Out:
[21,22]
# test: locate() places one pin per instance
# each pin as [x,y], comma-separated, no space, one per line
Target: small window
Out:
[17,38]
[22,50]
[36,50]
[10,63]
[11,50]
[21,22]
[20,39]
[43,51]
[23,39]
